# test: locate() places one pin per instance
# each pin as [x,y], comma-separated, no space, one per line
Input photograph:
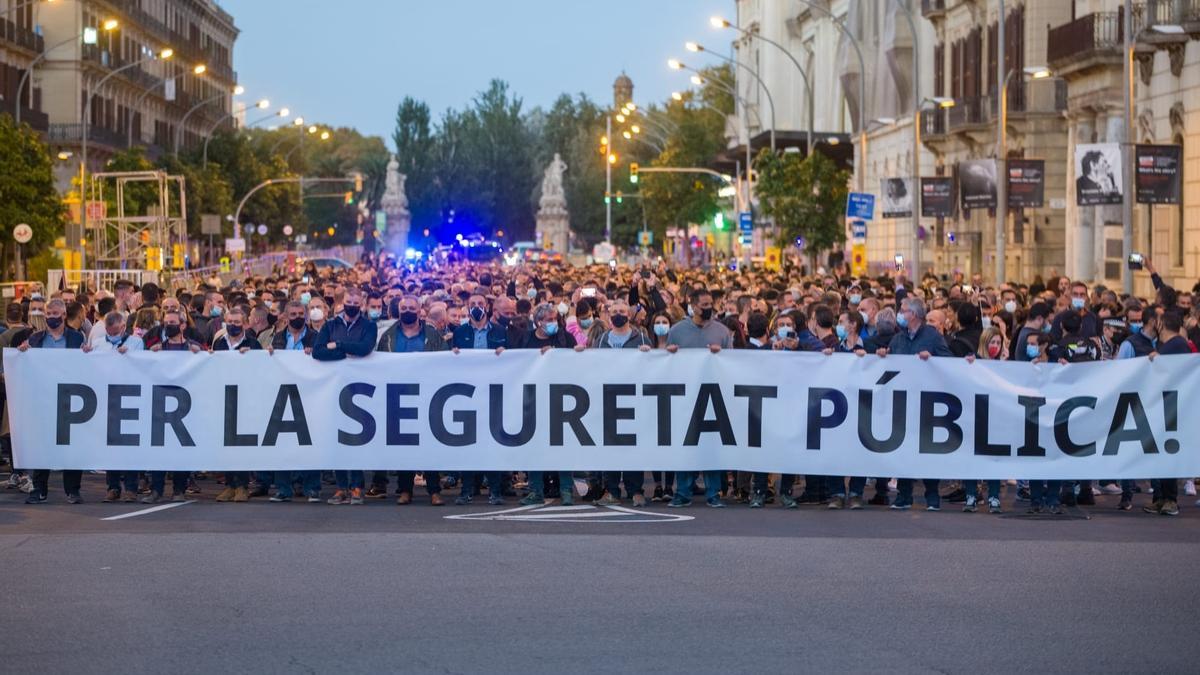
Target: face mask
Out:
[351,311]
[250,294]
[841,331]
[408,318]
[531,293]
[305,298]
[619,320]
[1032,351]
[987,322]
[233,331]
[784,332]
[1077,303]
[1046,328]
[1135,328]
[902,320]
[1010,307]
[661,329]
[563,309]
[706,314]
[586,323]
[36,312]
[550,328]
[329,300]
[296,323]
[865,318]
[214,312]
[504,321]
[463,321]
[172,331]
[54,322]
[993,351]
[113,340]
[317,314]
[269,305]
[855,299]
[477,314]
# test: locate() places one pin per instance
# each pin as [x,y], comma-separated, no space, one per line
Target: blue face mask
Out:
[463,321]
[531,293]
[550,328]
[1046,328]
[661,329]
[784,332]
[374,314]
[113,339]
[902,320]
[1032,351]
[215,312]
[855,299]
[1135,328]
[841,331]
[585,323]
[1078,303]
[305,298]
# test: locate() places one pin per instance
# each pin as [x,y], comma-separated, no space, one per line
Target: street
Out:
[296,587]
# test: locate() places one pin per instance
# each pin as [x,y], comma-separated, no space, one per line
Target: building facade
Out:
[20,45]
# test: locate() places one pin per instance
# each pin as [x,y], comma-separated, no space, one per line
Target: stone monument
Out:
[395,206]
[553,220]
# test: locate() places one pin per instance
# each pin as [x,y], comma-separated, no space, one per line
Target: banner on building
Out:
[937,197]
[897,197]
[1026,183]
[1158,176]
[1098,177]
[606,410]
[977,183]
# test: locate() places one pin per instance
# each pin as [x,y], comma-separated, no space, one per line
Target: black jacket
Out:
[356,338]
[75,339]
[307,340]
[434,342]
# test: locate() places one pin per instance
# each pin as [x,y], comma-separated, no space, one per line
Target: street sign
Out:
[22,233]
[604,251]
[287,230]
[645,238]
[860,205]
[858,229]
[210,223]
[381,221]
[262,229]
[747,238]
[96,210]
[235,245]
[858,260]
[746,221]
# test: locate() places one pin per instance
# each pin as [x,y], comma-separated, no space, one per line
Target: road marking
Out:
[152,509]
[577,507]
[582,513]
[544,516]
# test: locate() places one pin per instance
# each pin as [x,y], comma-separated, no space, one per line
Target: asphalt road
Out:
[207,587]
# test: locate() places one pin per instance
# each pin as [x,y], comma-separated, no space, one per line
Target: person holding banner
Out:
[296,337]
[1169,329]
[991,348]
[233,338]
[56,336]
[112,338]
[548,333]
[173,340]
[849,332]
[622,335]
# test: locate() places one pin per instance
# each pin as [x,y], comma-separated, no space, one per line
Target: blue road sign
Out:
[860,205]
[746,221]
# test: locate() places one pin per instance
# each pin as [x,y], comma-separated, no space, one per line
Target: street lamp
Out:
[719,22]
[916,147]
[700,81]
[261,105]
[90,37]
[1033,73]
[197,71]
[237,91]
[694,47]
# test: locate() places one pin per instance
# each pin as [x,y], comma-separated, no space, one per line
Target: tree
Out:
[805,197]
[27,192]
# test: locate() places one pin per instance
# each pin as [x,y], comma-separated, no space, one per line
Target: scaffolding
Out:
[154,240]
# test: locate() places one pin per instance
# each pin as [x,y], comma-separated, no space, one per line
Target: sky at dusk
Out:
[349,63]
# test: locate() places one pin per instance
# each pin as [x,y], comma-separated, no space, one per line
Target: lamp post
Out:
[197,71]
[719,22]
[261,105]
[237,91]
[694,47]
[1034,72]
[916,147]
[299,124]
[699,80]
[88,35]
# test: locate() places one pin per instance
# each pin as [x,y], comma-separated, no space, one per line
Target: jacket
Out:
[926,339]
[636,340]
[221,344]
[434,342]
[356,338]
[464,337]
[75,339]
[307,340]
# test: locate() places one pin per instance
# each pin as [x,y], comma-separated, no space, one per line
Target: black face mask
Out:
[504,320]
[296,323]
[706,314]
[233,331]
[408,318]
[477,314]
[619,320]
[54,322]
[351,311]
[172,331]
[329,300]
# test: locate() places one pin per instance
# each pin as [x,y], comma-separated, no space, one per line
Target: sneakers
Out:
[356,497]
[680,501]
[1153,507]
[757,500]
[179,496]
[639,500]
[226,495]
[532,499]
[1034,510]
[339,498]
[1111,489]
[13,482]
[1125,505]
[463,500]
[241,494]
[152,498]
[880,498]
[129,497]
[26,485]
[658,494]
[35,498]
[836,503]
[856,503]
[495,500]
[900,506]
[1023,494]
[374,492]
[1056,510]
[994,505]
[1189,487]
[259,490]
[969,506]
[404,498]
[74,498]
[278,498]
[715,502]
[1169,508]
[192,487]
[788,502]
[608,500]
[111,496]
[958,496]
[435,499]
[933,507]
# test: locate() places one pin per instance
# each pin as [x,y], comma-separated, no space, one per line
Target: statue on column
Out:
[553,220]
[395,207]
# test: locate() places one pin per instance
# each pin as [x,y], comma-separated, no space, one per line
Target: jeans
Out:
[1044,492]
[815,485]
[971,487]
[116,478]
[1167,490]
[634,480]
[904,492]
[406,479]
[712,483]
[786,482]
[179,481]
[72,481]
[837,486]
[237,479]
[349,480]
[311,480]
[495,480]
[537,484]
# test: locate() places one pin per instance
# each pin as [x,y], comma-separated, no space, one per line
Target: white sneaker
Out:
[1189,488]
[14,480]
[1096,492]
[26,485]
[1111,489]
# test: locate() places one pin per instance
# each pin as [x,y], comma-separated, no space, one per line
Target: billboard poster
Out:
[1157,174]
[977,183]
[937,197]
[897,197]
[1026,183]
[1098,174]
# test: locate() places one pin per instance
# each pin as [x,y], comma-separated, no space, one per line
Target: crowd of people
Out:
[378,305]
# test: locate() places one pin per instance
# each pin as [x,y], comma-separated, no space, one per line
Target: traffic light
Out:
[620,198]
[349,198]
[358,182]
[607,199]
[633,173]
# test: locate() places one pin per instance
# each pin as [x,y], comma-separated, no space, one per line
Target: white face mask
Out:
[563,308]
[1010,307]
[316,315]
[987,322]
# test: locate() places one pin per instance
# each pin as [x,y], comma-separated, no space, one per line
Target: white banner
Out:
[605,410]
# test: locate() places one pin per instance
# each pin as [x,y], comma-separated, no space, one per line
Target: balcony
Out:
[14,35]
[932,9]
[34,118]
[967,112]
[72,134]
[1091,41]
[1032,97]
[933,124]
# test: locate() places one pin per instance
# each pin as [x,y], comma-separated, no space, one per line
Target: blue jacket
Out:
[926,339]
[464,337]
[351,339]
[75,339]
